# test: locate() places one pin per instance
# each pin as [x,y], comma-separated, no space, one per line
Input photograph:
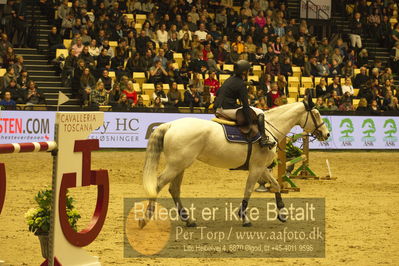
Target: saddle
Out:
[238,132]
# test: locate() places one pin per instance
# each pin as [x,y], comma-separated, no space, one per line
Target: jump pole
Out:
[71,152]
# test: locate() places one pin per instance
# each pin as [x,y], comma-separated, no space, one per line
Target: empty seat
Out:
[67,43]
[293,82]
[291,100]
[141,18]
[223,77]
[139,77]
[307,82]
[293,92]
[228,67]
[257,70]
[296,71]
[146,99]
[178,57]
[148,89]
[254,78]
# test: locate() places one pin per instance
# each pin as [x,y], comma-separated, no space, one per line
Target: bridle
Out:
[316,132]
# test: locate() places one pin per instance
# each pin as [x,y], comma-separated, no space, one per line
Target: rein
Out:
[315,133]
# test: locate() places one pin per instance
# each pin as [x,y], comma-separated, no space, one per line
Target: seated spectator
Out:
[361,78]
[7,102]
[103,60]
[321,89]
[105,45]
[9,58]
[363,58]
[78,47]
[87,83]
[286,68]
[157,73]
[323,69]
[140,103]
[346,103]
[387,75]
[273,95]
[23,79]
[33,95]
[19,65]
[94,51]
[197,82]
[334,96]
[122,105]
[18,94]
[157,103]
[394,106]
[335,69]
[173,73]
[337,56]
[273,67]
[298,58]
[363,105]
[282,85]
[107,81]
[261,104]
[212,83]
[160,93]
[320,104]
[174,96]
[335,86]
[66,26]
[374,107]
[55,41]
[87,58]
[98,96]
[331,105]
[115,94]
[8,76]
[347,87]
[130,93]
[192,97]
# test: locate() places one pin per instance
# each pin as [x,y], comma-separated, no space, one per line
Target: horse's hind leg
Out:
[174,190]
[167,176]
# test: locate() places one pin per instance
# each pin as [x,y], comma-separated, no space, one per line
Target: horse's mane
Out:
[281,108]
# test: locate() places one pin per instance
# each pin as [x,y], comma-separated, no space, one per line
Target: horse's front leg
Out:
[251,181]
[275,186]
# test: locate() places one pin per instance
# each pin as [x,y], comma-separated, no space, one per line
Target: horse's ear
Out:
[308,102]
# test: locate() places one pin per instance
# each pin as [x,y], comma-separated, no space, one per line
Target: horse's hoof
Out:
[248,224]
[262,188]
[191,224]
[282,219]
[142,223]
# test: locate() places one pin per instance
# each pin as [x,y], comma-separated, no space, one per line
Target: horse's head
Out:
[312,122]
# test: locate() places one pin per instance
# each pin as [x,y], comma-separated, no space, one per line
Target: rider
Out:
[233,89]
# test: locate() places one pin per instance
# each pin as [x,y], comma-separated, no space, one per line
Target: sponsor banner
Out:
[132,130]
[359,132]
[313,7]
[19,127]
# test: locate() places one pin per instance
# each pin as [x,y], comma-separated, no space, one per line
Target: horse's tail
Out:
[154,149]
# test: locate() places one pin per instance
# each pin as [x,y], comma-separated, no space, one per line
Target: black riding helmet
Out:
[241,66]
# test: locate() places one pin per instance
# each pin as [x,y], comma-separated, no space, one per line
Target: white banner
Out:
[19,127]
[316,9]
[132,130]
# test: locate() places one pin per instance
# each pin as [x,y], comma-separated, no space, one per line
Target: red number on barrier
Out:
[2,185]
[89,177]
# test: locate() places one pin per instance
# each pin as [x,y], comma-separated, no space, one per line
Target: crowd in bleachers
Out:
[177,53]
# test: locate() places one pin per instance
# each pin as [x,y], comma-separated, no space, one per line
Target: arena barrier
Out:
[286,167]
[71,153]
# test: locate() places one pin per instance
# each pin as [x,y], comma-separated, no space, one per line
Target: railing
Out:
[316,8]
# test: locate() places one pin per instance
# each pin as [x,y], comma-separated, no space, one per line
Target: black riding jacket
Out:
[233,89]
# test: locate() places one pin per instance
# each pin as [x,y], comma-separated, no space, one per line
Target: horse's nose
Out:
[328,135]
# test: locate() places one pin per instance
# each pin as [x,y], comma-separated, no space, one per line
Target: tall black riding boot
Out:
[264,140]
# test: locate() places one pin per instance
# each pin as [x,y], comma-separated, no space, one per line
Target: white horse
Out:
[187,139]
